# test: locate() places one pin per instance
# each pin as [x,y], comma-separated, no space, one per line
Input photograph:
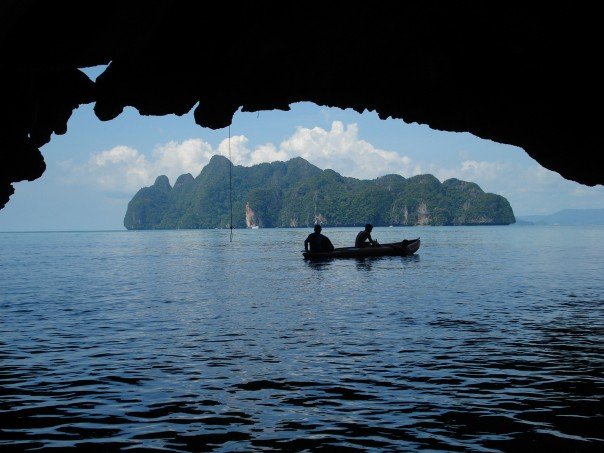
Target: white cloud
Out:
[125,169]
[529,187]
[174,159]
[121,168]
[237,149]
[341,150]
[267,153]
[473,170]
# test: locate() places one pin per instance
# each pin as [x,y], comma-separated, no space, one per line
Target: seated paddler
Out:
[318,242]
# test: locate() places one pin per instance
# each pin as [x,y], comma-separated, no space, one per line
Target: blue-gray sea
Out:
[488,339]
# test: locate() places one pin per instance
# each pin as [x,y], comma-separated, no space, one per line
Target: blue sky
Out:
[96,168]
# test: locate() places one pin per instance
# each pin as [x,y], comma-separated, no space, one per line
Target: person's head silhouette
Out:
[317,228]
[368,227]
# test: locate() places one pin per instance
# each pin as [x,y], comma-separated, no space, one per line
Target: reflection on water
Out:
[487,340]
[320,265]
[361,263]
[367,263]
[364,264]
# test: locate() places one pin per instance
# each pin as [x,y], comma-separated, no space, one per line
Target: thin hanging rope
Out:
[231,183]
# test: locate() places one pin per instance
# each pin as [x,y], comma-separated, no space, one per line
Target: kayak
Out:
[403,248]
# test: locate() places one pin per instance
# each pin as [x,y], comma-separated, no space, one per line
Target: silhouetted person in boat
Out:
[318,242]
[364,238]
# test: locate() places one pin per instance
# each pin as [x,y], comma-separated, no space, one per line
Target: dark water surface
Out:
[491,338]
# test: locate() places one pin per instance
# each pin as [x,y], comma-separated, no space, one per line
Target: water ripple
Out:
[179,342]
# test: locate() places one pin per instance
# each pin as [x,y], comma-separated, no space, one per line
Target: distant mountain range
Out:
[298,194]
[566,217]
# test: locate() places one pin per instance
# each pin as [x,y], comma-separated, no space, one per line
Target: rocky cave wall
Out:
[515,73]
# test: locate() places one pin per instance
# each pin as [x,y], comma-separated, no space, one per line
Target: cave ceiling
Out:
[512,72]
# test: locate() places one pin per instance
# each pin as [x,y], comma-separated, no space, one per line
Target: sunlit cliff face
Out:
[521,74]
[251,219]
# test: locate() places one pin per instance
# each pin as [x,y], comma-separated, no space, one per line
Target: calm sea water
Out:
[490,338]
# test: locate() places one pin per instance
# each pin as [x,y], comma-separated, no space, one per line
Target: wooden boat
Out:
[403,248]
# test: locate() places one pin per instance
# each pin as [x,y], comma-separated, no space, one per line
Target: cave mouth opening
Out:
[97,166]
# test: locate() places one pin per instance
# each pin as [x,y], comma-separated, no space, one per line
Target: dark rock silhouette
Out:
[519,73]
